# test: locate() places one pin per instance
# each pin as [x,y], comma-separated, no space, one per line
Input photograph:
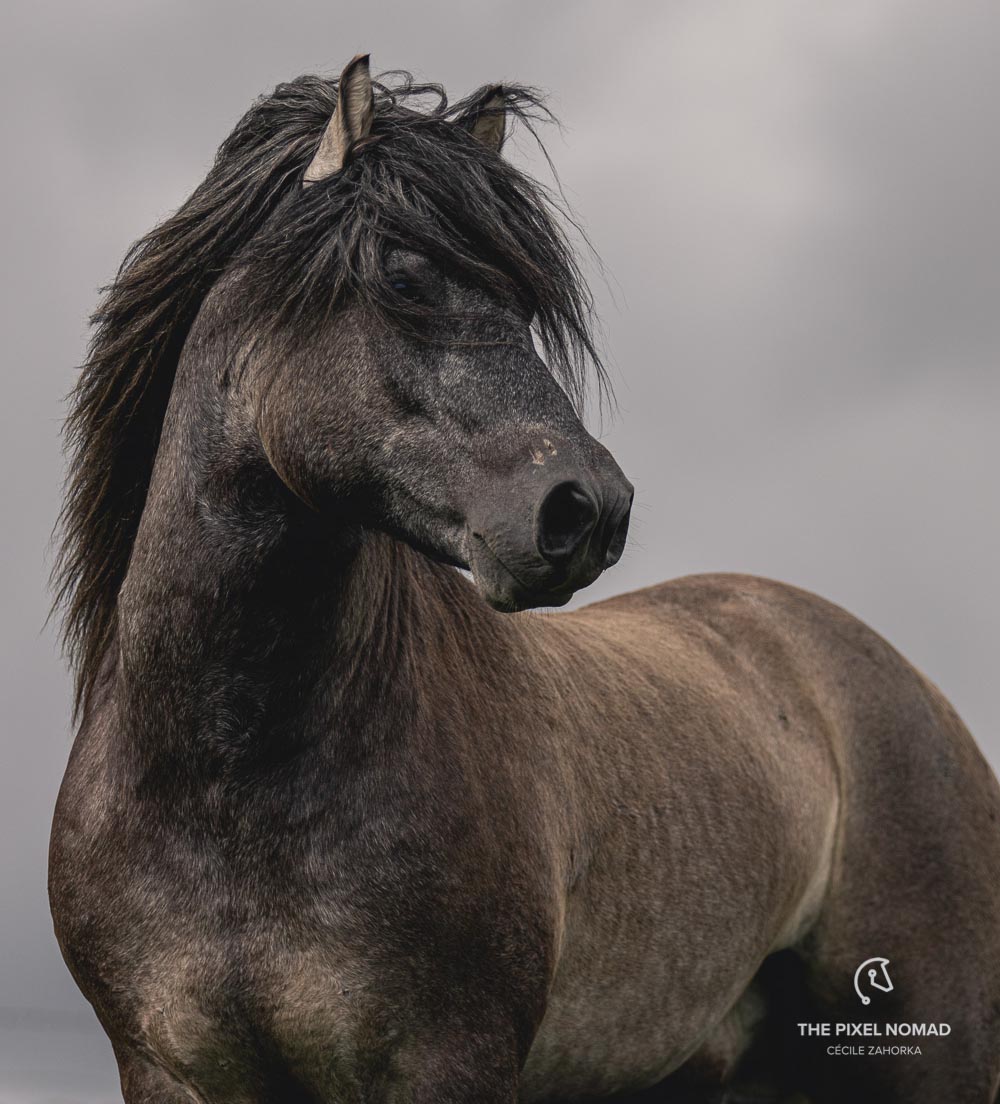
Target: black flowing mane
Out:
[418,181]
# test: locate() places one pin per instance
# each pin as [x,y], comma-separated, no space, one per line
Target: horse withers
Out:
[341,825]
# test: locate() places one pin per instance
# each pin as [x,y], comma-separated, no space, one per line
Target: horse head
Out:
[409,396]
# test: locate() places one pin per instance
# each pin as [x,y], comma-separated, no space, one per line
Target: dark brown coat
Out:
[335,830]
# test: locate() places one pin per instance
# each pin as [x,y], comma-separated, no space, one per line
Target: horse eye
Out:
[408,289]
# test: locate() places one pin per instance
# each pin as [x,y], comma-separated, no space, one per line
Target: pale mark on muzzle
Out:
[538,455]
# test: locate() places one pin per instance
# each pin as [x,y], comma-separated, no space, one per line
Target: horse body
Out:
[597,880]
[572,848]
[335,830]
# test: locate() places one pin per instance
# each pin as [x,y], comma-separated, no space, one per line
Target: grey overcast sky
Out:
[797,208]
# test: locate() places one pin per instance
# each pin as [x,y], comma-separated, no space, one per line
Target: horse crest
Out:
[885,985]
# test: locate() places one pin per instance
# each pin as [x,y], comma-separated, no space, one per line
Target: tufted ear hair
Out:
[351,121]
[486,120]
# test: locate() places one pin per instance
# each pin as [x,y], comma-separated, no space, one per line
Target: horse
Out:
[344,820]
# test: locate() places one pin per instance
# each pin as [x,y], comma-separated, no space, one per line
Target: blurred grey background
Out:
[797,207]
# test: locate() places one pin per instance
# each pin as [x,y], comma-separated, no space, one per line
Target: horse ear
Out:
[486,120]
[351,121]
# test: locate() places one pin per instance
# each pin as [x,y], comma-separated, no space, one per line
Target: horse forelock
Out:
[422,180]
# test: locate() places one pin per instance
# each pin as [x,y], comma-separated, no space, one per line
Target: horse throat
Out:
[248,630]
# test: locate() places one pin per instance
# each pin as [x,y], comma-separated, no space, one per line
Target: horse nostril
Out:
[566,517]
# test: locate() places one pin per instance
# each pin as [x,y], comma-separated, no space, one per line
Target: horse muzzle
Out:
[550,531]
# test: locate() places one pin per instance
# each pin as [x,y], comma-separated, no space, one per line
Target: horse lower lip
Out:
[525,595]
[546,596]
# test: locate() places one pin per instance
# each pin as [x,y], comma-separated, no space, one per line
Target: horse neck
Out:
[250,629]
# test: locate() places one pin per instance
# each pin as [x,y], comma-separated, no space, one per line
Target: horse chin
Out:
[517,600]
[504,591]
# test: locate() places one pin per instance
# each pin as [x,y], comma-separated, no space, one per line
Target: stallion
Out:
[341,824]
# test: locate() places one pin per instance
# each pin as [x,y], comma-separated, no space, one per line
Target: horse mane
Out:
[419,181]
